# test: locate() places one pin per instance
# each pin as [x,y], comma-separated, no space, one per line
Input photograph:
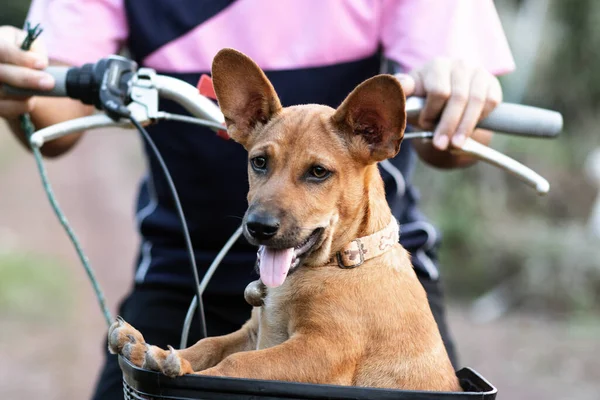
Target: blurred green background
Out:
[522,271]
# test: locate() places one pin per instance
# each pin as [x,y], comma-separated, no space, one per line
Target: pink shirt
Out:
[289,34]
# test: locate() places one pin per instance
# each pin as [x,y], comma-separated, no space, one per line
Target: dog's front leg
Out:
[209,352]
[126,340]
[300,359]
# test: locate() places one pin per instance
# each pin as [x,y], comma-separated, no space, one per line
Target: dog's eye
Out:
[259,163]
[319,172]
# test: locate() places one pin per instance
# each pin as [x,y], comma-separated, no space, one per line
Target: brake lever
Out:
[510,165]
[494,157]
[40,137]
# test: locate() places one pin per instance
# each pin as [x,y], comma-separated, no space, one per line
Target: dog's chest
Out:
[274,320]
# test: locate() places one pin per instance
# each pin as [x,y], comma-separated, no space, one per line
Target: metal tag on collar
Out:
[361,255]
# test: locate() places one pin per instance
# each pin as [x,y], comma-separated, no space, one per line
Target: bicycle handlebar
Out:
[59,73]
[509,118]
[518,119]
[104,84]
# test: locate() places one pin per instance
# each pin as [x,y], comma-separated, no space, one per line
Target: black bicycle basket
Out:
[140,384]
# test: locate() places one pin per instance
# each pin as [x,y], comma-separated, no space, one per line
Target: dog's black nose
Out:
[262,226]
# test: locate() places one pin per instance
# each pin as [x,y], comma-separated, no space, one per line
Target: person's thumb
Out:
[408,84]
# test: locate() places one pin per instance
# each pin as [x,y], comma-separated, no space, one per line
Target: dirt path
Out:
[56,355]
[532,356]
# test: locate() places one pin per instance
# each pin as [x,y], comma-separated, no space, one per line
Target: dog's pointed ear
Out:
[245,95]
[372,118]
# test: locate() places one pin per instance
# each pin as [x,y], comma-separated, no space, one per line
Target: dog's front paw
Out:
[127,341]
[175,365]
[154,358]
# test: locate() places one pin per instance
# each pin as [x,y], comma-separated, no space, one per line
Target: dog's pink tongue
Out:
[274,265]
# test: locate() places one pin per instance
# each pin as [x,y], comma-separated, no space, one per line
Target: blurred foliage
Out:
[34,286]
[569,80]
[13,12]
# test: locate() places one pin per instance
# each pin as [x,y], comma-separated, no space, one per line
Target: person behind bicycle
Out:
[313,51]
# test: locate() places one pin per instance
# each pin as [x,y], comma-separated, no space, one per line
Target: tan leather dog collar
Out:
[362,249]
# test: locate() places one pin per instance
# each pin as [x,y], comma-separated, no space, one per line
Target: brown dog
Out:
[343,304]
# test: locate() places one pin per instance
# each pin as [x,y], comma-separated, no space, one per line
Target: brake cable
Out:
[28,128]
[186,233]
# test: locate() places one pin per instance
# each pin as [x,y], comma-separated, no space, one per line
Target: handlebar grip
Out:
[515,119]
[523,120]
[59,73]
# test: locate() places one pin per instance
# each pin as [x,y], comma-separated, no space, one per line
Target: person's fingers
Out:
[493,98]
[408,84]
[23,77]
[11,54]
[455,106]
[38,49]
[477,96]
[436,82]
[11,109]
